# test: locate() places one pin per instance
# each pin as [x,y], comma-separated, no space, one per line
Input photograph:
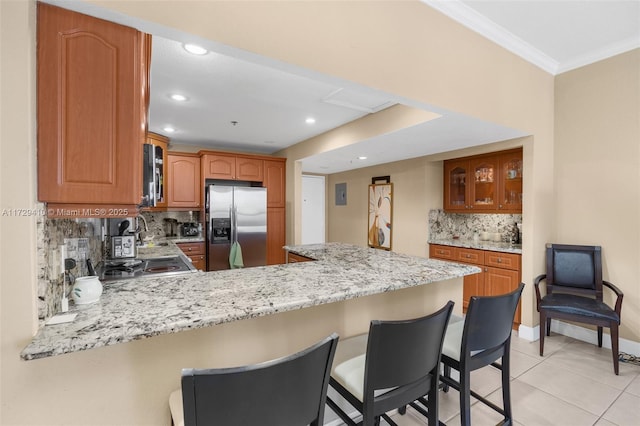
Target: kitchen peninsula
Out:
[144,307]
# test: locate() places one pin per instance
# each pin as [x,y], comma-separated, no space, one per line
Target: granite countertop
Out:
[480,245]
[165,246]
[145,307]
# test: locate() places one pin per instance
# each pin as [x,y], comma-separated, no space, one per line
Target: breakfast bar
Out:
[139,308]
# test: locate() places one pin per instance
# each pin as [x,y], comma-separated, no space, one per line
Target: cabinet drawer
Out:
[473,256]
[198,262]
[294,258]
[191,249]
[502,260]
[441,252]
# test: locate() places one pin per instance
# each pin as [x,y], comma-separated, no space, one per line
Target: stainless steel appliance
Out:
[190,229]
[236,214]
[152,175]
[123,246]
[121,238]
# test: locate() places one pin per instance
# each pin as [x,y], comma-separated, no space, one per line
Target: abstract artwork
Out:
[380,215]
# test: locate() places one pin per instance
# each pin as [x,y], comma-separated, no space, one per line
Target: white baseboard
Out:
[579,333]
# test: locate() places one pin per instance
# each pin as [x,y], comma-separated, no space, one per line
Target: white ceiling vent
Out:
[359,101]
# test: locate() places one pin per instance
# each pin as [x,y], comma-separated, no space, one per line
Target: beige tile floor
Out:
[572,385]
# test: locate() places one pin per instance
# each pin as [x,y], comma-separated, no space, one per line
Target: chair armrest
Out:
[536,284]
[618,293]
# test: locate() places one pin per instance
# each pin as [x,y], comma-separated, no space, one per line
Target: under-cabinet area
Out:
[500,271]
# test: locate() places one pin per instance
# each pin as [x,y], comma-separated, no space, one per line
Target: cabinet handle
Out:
[486,269]
[468,256]
[499,260]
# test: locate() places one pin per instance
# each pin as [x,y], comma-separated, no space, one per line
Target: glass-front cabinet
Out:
[456,189]
[485,179]
[484,183]
[511,181]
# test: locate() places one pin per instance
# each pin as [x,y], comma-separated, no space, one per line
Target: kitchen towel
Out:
[235,256]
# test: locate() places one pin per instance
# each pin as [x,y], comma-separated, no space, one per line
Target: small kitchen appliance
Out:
[123,246]
[190,229]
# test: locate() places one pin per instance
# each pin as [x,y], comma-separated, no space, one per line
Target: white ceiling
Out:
[269,100]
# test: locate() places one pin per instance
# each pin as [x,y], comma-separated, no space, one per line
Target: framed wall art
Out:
[380,215]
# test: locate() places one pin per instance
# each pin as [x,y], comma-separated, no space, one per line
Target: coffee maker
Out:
[122,238]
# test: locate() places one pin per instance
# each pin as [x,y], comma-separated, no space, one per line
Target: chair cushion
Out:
[453,340]
[175,405]
[350,374]
[578,305]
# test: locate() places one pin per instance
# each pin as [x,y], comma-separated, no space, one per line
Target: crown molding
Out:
[473,20]
[600,54]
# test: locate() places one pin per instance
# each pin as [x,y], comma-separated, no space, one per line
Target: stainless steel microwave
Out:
[152,175]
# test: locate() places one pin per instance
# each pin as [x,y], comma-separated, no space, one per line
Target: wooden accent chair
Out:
[574,292]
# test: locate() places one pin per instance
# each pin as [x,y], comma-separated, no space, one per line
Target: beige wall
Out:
[597,169]
[398,48]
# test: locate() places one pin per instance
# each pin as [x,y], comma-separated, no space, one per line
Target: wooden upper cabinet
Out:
[484,183]
[274,181]
[488,183]
[183,177]
[92,87]
[456,185]
[161,145]
[510,179]
[232,167]
[251,169]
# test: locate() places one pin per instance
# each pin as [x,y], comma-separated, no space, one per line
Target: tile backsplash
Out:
[84,241]
[443,225]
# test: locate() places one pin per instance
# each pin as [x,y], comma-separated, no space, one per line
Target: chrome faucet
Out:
[138,231]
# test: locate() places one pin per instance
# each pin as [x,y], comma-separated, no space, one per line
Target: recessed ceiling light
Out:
[362,157]
[310,120]
[178,97]
[269,142]
[169,129]
[195,49]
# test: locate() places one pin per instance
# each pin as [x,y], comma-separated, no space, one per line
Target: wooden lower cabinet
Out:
[500,272]
[295,258]
[196,253]
[275,235]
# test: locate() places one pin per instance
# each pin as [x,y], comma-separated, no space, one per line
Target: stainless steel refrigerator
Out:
[236,214]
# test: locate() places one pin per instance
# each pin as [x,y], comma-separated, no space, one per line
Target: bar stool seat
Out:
[396,363]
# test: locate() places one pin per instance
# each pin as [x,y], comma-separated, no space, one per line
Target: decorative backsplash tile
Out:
[444,225]
[84,240]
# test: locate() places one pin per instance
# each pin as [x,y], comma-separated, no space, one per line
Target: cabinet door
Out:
[219,166]
[473,285]
[275,235]
[199,262]
[484,186]
[251,169]
[274,181]
[501,281]
[456,185]
[184,188]
[91,108]
[510,189]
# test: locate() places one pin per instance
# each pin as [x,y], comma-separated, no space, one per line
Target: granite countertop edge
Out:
[480,245]
[140,308]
